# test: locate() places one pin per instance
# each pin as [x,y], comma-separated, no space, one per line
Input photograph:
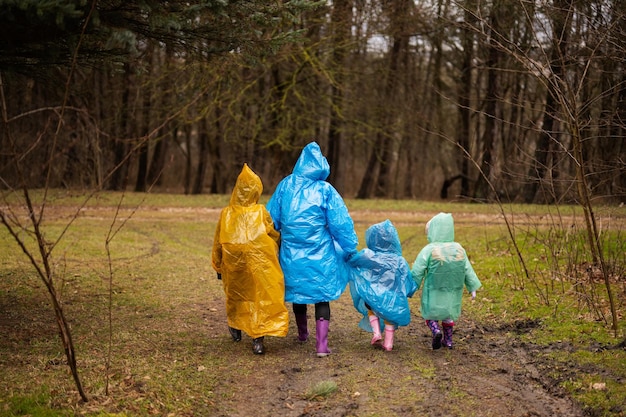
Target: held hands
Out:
[350,257]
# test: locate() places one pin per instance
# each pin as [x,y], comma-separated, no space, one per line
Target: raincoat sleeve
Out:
[269,226]
[420,266]
[340,223]
[273,206]
[216,256]
[410,286]
[472,283]
[358,302]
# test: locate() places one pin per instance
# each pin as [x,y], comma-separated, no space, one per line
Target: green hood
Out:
[440,228]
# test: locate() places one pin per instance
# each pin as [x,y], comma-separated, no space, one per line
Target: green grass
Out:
[36,405]
[321,390]
[168,349]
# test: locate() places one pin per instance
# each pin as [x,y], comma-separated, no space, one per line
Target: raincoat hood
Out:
[440,228]
[248,188]
[312,163]
[383,237]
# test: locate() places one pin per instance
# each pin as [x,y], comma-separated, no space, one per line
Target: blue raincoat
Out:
[381,277]
[444,268]
[312,217]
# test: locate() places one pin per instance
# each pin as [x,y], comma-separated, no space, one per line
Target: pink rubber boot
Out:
[375,323]
[388,342]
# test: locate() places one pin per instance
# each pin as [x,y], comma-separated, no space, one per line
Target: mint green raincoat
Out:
[444,268]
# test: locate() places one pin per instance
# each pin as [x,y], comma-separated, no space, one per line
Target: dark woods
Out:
[480,100]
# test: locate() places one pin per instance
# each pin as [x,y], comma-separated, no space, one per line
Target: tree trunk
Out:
[483,191]
[465,91]
[341,24]
[142,151]
[141,184]
[119,176]
[378,178]
[203,158]
[399,50]
[561,20]
[187,131]
[161,145]
[367,183]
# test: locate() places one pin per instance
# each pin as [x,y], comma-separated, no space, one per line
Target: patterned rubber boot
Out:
[437,335]
[303,330]
[321,336]
[447,333]
[377,337]
[388,343]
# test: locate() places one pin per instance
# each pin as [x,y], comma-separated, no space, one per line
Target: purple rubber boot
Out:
[321,336]
[303,330]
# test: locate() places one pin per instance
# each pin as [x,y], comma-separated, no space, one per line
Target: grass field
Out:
[149,327]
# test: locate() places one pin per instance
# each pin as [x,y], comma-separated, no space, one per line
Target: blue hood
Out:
[383,237]
[312,164]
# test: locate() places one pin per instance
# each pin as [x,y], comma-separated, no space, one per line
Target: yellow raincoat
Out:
[245,252]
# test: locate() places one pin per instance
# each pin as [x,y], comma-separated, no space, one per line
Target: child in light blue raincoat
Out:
[444,269]
[317,233]
[381,283]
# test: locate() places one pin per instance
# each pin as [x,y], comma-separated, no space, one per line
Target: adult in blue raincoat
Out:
[317,232]
[381,283]
[245,257]
[444,268]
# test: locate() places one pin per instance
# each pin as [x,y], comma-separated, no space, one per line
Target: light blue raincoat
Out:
[444,268]
[381,277]
[312,217]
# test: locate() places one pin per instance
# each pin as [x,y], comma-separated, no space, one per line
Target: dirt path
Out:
[487,374]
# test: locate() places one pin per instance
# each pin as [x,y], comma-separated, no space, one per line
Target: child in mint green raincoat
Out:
[444,268]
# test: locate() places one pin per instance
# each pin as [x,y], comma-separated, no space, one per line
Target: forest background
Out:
[408,99]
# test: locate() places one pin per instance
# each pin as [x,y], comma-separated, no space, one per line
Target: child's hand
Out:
[473,295]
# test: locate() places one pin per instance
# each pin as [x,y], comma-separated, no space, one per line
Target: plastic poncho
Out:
[311,217]
[444,268]
[245,252]
[382,278]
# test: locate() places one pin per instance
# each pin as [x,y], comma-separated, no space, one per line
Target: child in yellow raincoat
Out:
[245,257]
